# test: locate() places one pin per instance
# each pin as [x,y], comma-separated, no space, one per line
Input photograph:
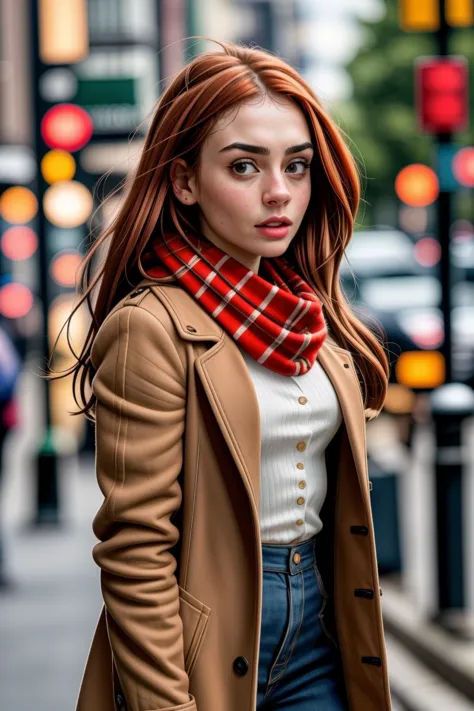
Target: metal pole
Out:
[444,222]
[47,495]
[451,405]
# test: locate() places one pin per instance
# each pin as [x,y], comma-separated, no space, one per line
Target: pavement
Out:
[48,617]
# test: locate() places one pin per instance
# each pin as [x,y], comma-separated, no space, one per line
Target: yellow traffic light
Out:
[419,15]
[420,369]
[460,13]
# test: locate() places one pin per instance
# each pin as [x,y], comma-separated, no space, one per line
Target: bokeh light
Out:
[413,219]
[64,267]
[19,242]
[67,126]
[58,165]
[463,166]
[417,185]
[18,205]
[60,309]
[16,300]
[427,251]
[68,204]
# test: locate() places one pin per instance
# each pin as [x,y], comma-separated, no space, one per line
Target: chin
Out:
[275,249]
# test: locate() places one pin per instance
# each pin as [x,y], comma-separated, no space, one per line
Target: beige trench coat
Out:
[178,462]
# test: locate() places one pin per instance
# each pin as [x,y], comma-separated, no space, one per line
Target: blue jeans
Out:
[300,666]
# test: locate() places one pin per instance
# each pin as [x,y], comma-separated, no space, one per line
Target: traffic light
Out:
[459,13]
[419,15]
[441,94]
[425,15]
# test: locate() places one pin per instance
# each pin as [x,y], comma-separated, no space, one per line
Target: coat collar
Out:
[223,373]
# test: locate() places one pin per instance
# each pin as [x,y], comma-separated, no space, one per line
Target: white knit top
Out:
[299,416]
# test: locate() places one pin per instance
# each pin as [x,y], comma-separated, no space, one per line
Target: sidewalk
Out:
[445,663]
[47,620]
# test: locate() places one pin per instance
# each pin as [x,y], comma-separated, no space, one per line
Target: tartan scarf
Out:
[277,318]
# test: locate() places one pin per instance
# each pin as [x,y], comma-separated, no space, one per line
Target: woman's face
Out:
[239,187]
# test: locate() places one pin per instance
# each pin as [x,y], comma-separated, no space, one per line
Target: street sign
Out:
[117,88]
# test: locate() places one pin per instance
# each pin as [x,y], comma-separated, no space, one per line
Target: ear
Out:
[182,182]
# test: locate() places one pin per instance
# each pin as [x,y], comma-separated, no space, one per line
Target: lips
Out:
[275,221]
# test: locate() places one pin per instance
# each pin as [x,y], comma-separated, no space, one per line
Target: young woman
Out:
[231,384]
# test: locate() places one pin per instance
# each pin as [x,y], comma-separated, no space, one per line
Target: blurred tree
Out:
[380,120]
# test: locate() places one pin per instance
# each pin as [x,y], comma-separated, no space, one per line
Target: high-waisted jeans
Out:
[300,667]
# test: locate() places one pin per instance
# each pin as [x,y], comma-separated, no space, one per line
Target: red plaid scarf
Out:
[280,324]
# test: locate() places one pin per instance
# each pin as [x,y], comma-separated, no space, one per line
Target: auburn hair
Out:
[210,85]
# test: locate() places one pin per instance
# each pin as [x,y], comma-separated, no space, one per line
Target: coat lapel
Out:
[339,367]
[232,396]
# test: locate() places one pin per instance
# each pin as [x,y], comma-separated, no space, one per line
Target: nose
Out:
[277,192]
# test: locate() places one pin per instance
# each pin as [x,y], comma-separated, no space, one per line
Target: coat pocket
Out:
[195,618]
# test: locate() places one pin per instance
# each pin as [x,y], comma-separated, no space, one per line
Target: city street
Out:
[148,139]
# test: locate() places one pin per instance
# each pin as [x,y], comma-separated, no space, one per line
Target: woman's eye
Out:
[240,167]
[304,165]
[242,164]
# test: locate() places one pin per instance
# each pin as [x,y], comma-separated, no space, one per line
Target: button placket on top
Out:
[302,444]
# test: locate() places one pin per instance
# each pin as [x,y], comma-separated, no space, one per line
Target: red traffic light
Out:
[67,126]
[441,94]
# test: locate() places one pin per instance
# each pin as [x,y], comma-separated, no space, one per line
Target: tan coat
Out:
[178,461]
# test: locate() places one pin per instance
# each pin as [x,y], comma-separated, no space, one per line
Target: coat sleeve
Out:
[140,388]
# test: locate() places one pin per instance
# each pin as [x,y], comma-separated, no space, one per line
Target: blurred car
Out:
[381,253]
[384,280]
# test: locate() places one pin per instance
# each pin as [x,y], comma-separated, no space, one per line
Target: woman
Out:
[230,386]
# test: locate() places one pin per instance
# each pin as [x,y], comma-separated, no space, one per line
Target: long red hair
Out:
[213,83]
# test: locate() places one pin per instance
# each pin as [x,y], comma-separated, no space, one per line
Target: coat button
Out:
[297,558]
[241,666]
[364,592]
[346,365]
[301,446]
[360,530]
[191,329]
[376,661]
[302,400]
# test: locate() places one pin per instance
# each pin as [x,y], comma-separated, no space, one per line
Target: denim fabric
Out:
[300,666]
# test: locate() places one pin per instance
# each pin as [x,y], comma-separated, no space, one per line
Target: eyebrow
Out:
[262,150]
